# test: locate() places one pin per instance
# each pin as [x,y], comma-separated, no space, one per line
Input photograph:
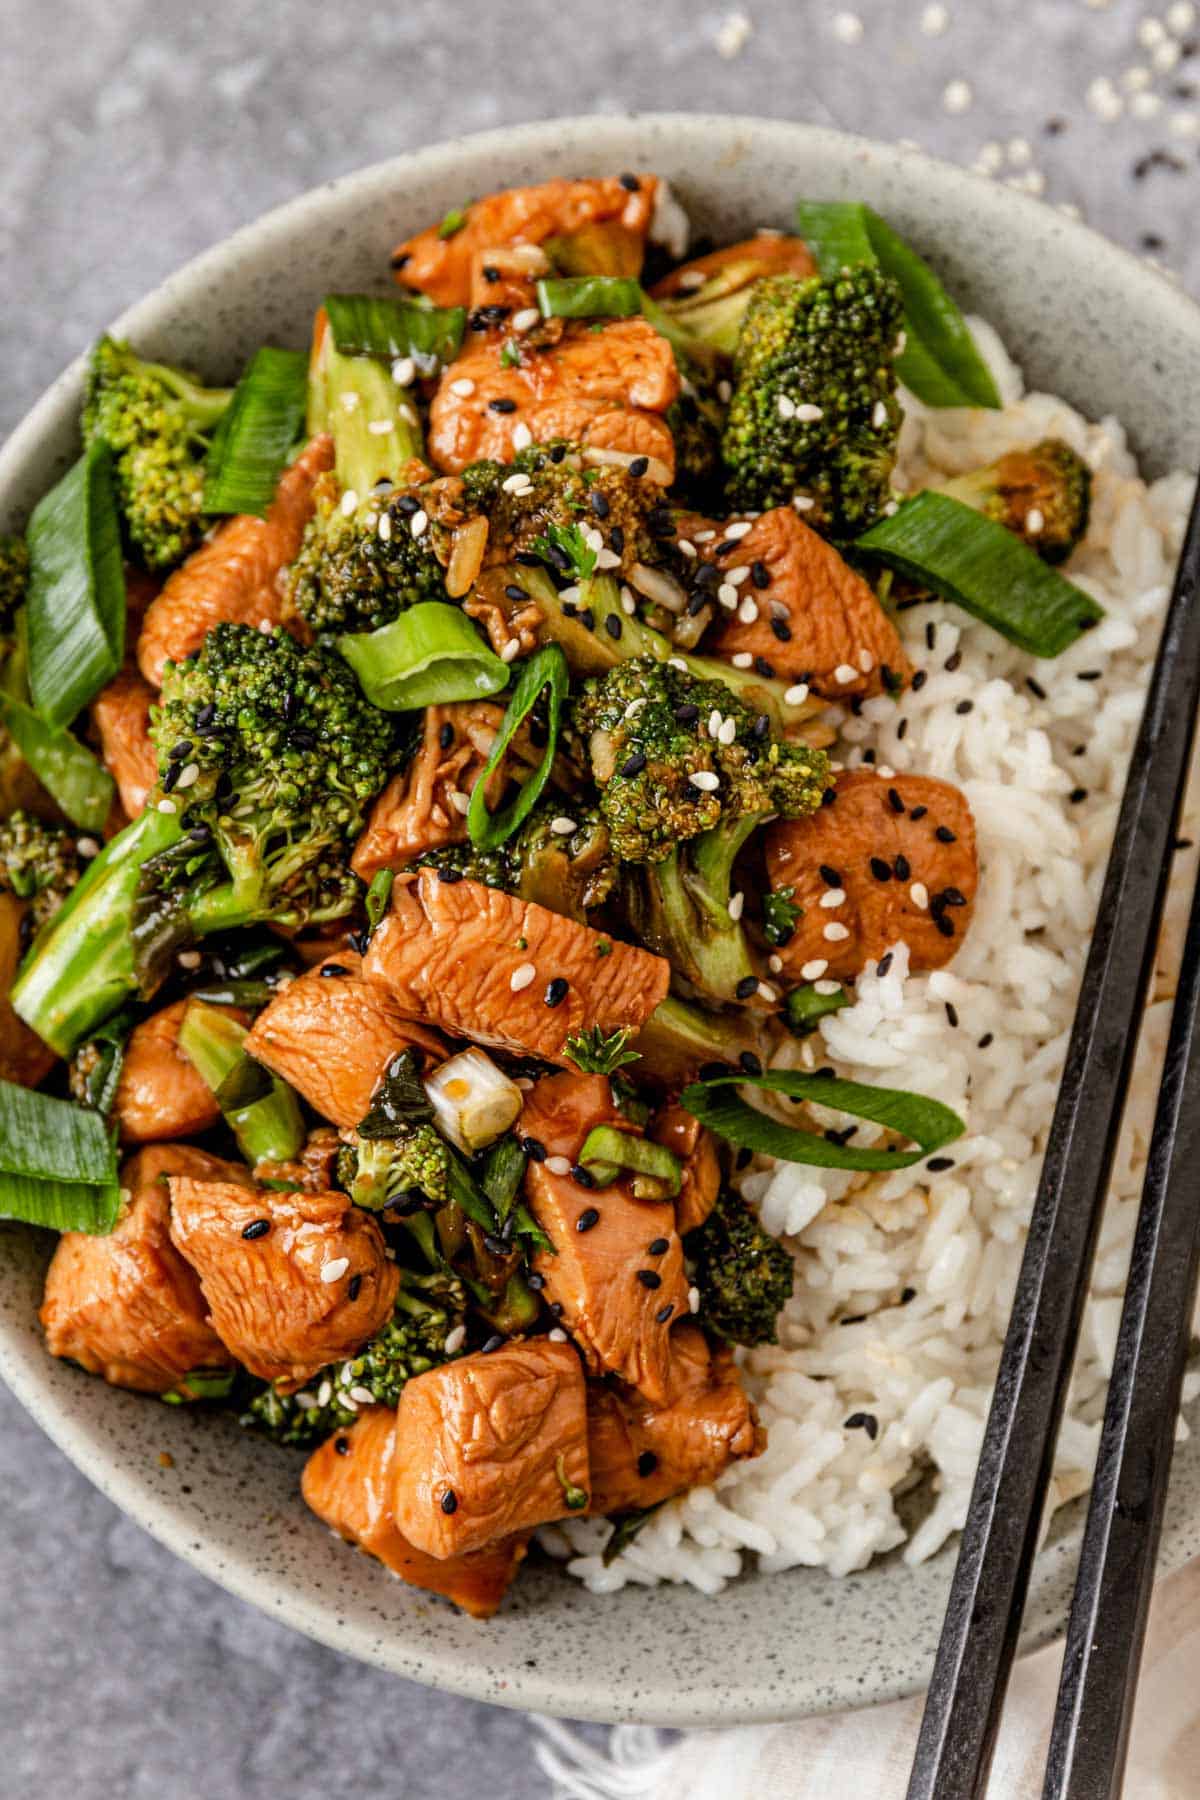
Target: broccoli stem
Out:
[687,912]
[80,966]
[204,405]
[678,1038]
[268,1129]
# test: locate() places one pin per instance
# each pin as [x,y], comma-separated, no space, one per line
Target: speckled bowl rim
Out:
[25,1369]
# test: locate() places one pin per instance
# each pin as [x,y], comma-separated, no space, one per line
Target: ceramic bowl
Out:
[1085,320]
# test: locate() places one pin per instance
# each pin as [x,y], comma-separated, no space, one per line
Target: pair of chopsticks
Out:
[1116,1567]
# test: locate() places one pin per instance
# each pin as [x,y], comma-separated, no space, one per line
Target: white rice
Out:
[824,1495]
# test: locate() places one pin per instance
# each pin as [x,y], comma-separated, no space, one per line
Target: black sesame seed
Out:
[761,727]
[534,1149]
[556,991]
[664,1313]
[556,1309]
[930,635]
[902,729]
[863,1421]
[894,800]
[515,593]
[938,1163]
[587,618]
[342,1445]
[490,273]
[492,1343]
[868,755]
[944,835]
[1088,674]
[782,630]
[536,1282]
[449,876]
[918,681]
[588,1217]
[760,575]
[829,796]
[638,466]
[649,1278]
[743,1159]
[764,668]
[257,1228]
[829,875]
[494,1245]
[633,765]
[630,183]
[697,604]
[599,503]
[952,896]
[945,924]
[903,868]
[1035,687]
[616,538]
[987,1038]
[329,970]
[751,1063]
[953,662]
[746,986]
[965,706]
[446,734]
[1078,794]
[527,559]
[686,715]
[612,625]
[408,504]
[582,1175]
[707,575]
[884,963]
[880,870]
[647,1462]
[659,1247]
[502,404]
[951,1013]
[449,1501]
[354,1287]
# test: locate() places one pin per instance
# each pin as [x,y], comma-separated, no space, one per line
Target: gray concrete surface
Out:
[135,134]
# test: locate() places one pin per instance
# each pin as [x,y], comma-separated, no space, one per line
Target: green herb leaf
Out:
[400,1101]
[625,1530]
[546,668]
[510,355]
[452,222]
[979,565]
[76,605]
[432,654]
[594,1053]
[58,1163]
[589,297]
[804,1006]
[256,433]
[926,1122]
[363,325]
[780,915]
[939,362]
[571,541]
[502,1174]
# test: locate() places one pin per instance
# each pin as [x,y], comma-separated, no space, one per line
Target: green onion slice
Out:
[607,1151]
[589,297]
[261,1110]
[58,1163]
[430,655]
[256,432]
[76,607]
[985,569]
[68,771]
[546,668]
[804,1006]
[926,1122]
[377,897]
[365,326]
[502,1174]
[625,1529]
[939,362]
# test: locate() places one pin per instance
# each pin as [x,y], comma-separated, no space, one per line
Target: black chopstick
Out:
[987,1594]
[1090,1738]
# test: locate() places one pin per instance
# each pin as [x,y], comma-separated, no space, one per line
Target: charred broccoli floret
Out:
[38,862]
[565,501]
[158,422]
[814,410]
[14,579]
[397,1151]
[428,1308]
[268,756]
[567,872]
[1042,494]
[745,1276]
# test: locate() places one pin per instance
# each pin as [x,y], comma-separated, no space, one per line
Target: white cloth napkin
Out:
[869,1753]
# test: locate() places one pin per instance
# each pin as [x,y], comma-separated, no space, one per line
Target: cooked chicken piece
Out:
[293,1281]
[641,1454]
[23,1056]
[439,262]
[696,1149]
[901,848]
[506,278]
[605,388]
[481,964]
[121,715]
[348,1482]
[331,1034]
[128,1306]
[160,1093]
[490,1445]
[816,619]
[771,253]
[615,1276]
[416,810]
[235,575]
[313,1169]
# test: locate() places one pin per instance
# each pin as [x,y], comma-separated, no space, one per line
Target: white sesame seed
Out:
[847,28]
[350,401]
[934,20]
[404,371]
[747,612]
[891,509]
[1184,124]
[866,661]
[724,392]
[334,1270]
[558,1165]
[455,1339]
[87,847]
[767,992]
[189,959]
[785,406]
[990,159]
[385,526]
[325,1393]
[731,35]
[739,575]
[844,673]
[635,707]
[705,780]
[704,537]
[1150,32]
[735,907]
[562,826]
[885,770]
[166,806]
[694,1299]
[828,987]
[807,413]
[628,603]
[557,1335]
[1104,100]
[833,897]
[189,775]
[686,547]
[812,971]
[569,595]
[511,650]
[957,96]
[363,1396]
[407,414]
[727,594]
[306,1402]
[1142,106]
[736,532]
[1181,16]
[714,723]
[775,963]
[741,659]
[728,732]
[677,662]
[691,279]
[797,694]
[522,437]
[835,932]
[526,319]
[459,801]
[521,977]
[349,502]
[515,484]
[349,1404]
[918,893]
[1034,520]
[879,415]
[607,559]
[379,427]
[1137,78]
[419,522]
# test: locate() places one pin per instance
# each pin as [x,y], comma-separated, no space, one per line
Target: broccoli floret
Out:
[14,579]
[157,421]
[268,757]
[1042,494]
[745,1276]
[814,409]
[428,1308]
[565,499]
[566,872]
[38,862]
[387,1170]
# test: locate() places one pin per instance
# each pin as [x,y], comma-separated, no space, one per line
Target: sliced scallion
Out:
[58,1163]
[804,1006]
[256,432]
[502,1174]
[607,1152]
[76,606]
[984,568]
[261,1110]
[589,297]
[67,770]
[545,669]
[939,362]
[432,654]
[925,1122]
[364,325]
